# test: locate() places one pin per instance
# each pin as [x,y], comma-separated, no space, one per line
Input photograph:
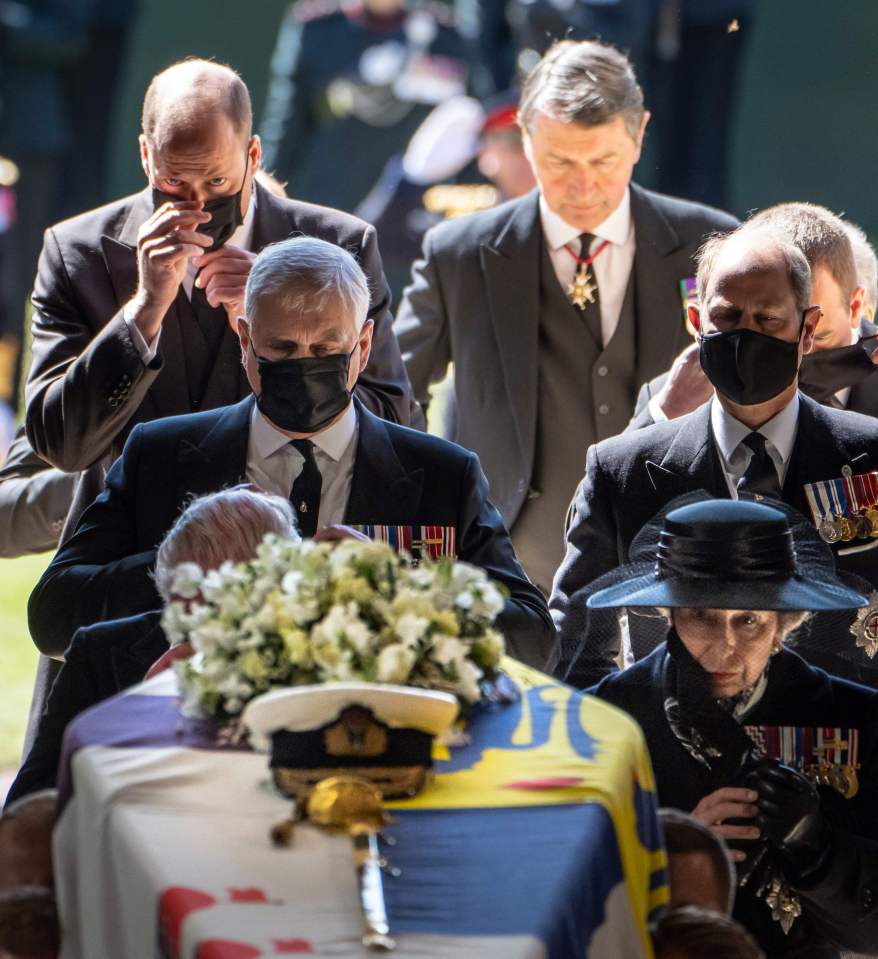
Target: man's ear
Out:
[809,326]
[144,155]
[638,140]
[858,299]
[694,317]
[365,341]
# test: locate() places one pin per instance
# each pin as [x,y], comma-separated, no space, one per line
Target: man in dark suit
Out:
[108,657]
[135,302]
[841,369]
[759,435]
[305,338]
[556,306]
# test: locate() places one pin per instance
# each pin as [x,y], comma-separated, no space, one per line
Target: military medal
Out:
[845,509]
[825,756]
[583,289]
[865,627]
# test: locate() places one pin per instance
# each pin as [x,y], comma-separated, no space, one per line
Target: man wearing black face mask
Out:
[758,435]
[135,302]
[305,338]
[841,369]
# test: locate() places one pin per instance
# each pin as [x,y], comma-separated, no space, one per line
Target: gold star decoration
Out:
[582,290]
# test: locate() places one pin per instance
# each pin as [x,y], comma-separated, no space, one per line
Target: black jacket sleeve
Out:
[101,572]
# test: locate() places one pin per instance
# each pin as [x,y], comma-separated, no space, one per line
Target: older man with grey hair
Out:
[305,338]
[107,657]
[554,307]
[758,435]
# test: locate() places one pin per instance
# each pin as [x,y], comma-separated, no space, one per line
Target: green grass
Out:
[18,655]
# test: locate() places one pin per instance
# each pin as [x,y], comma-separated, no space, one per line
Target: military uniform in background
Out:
[349,87]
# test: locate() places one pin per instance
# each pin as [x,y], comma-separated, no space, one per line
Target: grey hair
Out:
[308,275]
[584,82]
[798,271]
[228,525]
[866,262]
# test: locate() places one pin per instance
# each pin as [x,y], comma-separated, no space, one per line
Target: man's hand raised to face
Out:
[222,274]
[686,387]
[165,243]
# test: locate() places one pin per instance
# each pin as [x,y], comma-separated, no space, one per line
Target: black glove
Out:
[789,816]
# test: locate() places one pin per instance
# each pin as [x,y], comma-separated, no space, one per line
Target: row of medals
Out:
[843,529]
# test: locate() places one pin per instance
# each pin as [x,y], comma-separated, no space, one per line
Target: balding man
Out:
[758,435]
[305,338]
[136,301]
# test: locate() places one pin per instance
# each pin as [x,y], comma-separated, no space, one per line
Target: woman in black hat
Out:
[773,754]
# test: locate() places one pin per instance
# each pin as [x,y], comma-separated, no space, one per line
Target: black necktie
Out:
[212,320]
[305,495]
[760,477]
[591,312]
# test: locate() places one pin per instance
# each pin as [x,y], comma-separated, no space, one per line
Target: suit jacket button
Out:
[603,370]
[522,486]
[112,402]
[867,898]
[196,404]
[603,409]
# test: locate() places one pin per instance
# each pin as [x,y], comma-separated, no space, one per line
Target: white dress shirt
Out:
[242,237]
[779,433]
[611,269]
[273,464]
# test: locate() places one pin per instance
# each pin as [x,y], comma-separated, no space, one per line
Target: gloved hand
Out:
[789,816]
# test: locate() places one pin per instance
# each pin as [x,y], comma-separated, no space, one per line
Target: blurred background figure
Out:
[465,157]
[60,63]
[699,870]
[350,83]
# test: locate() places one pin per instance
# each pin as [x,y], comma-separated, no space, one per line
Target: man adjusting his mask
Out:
[305,338]
[758,435]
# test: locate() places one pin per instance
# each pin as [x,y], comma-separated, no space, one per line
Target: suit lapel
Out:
[656,293]
[169,392]
[383,491]
[510,266]
[220,459]
[272,221]
[691,462]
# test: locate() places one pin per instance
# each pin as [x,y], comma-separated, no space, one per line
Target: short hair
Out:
[865,261]
[693,933]
[798,271]
[307,275]
[820,235]
[187,91]
[584,82]
[228,525]
[685,834]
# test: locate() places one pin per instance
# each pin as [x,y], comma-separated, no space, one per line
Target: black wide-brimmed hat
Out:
[707,553]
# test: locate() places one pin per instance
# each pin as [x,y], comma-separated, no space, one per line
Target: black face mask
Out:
[825,372]
[225,212]
[304,395]
[749,367]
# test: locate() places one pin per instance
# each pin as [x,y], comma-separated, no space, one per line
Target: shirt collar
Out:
[780,431]
[267,439]
[243,235]
[558,232]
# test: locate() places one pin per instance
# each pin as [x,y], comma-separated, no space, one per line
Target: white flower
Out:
[186,580]
[410,628]
[395,663]
[448,650]
[467,685]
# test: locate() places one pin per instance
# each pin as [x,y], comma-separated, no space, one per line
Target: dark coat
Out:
[88,387]
[101,661]
[474,300]
[401,477]
[629,478]
[842,905]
